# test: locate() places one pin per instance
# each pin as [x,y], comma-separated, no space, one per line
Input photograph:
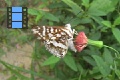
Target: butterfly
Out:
[57,39]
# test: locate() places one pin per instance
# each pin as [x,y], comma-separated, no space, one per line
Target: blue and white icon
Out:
[17,17]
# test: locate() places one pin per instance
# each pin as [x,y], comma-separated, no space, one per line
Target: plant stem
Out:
[111,49]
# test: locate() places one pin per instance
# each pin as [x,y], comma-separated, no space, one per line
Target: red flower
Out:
[80,41]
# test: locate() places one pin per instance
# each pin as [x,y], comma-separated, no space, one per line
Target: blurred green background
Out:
[99,19]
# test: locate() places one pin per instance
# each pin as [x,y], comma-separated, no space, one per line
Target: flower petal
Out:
[81,41]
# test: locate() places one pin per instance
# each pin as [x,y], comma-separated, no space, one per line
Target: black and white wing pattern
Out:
[56,39]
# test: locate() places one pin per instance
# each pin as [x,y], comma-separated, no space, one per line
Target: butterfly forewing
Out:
[55,38]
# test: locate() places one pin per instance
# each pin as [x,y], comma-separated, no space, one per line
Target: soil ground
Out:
[20,57]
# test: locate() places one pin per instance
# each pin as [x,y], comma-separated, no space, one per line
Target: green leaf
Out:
[107,56]
[38,18]
[103,67]
[96,36]
[116,33]
[76,9]
[97,19]
[107,23]
[95,12]
[77,21]
[85,3]
[104,6]
[51,60]
[80,68]
[89,60]
[117,21]
[117,71]
[70,62]
[33,12]
[51,17]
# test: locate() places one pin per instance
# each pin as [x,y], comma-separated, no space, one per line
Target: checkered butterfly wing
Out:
[56,39]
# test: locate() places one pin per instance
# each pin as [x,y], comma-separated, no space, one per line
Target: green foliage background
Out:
[99,19]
